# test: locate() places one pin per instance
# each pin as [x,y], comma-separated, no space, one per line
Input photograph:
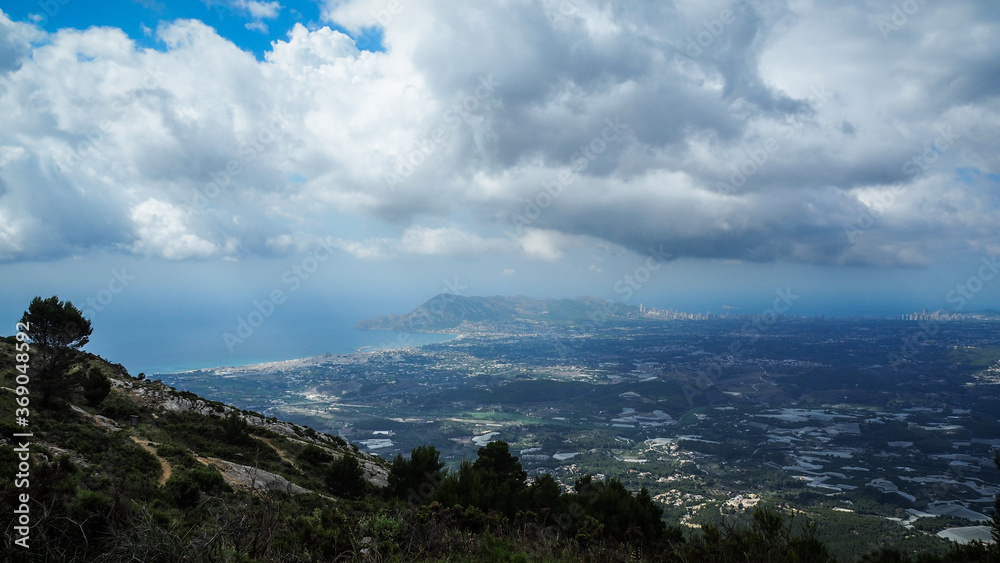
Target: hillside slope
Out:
[130,469]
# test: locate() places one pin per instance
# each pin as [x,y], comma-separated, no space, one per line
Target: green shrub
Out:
[314,455]
[96,386]
[417,478]
[135,459]
[235,428]
[177,455]
[385,528]
[346,478]
[117,406]
[185,487]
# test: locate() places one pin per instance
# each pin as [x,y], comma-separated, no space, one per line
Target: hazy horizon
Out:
[169,166]
[162,344]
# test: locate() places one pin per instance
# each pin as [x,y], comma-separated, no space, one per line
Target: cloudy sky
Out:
[184,160]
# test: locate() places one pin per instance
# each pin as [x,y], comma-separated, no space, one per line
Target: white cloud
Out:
[419,240]
[307,51]
[367,250]
[10,243]
[447,241]
[162,233]
[545,245]
[281,243]
[260,10]
[257,26]
[101,129]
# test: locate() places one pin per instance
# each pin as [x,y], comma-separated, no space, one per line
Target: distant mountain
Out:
[448,311]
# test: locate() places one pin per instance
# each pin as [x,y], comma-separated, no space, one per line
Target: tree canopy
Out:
[55,325]
[56,329]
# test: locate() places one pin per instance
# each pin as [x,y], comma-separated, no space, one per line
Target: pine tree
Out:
[56,330]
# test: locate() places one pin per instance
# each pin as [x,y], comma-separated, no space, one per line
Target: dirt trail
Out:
[148,446]
[281,452]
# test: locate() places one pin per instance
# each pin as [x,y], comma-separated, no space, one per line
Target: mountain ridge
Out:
[446,311]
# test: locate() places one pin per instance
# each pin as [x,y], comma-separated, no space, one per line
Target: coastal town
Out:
[664,403]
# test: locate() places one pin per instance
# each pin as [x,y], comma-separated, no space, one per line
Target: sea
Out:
[172,349]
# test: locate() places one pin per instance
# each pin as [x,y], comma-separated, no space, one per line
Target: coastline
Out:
[380,340]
